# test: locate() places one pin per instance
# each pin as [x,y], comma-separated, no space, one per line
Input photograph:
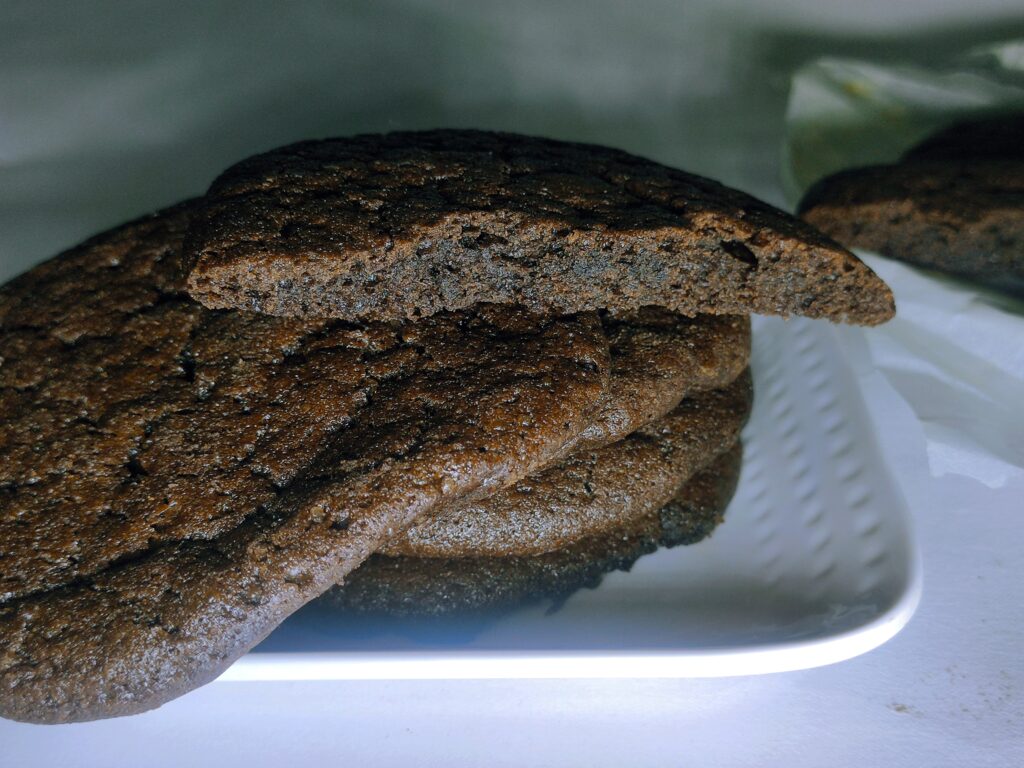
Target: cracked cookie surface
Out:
[657,358]
[592,492]
[408,224]
[175,481]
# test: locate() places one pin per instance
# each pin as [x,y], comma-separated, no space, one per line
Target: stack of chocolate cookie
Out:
[441,368]
[624,488]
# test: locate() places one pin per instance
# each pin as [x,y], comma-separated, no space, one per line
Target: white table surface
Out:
[108,110]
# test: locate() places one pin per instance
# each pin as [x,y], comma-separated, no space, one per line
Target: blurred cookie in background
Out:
[953,203]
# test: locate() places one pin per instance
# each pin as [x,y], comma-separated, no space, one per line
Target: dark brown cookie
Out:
[408,224]
[408,586]
[657,359]
[953,204]
[590,493]
[175,481]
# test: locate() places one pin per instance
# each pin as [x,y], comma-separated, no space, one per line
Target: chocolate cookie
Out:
[953,205]
[658,358]
[409,586]
[590,493]
[408,224]
[175,481]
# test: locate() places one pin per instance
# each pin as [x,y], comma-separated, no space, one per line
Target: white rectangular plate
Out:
[815,563]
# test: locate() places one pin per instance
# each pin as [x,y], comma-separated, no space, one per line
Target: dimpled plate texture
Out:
[814,564]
